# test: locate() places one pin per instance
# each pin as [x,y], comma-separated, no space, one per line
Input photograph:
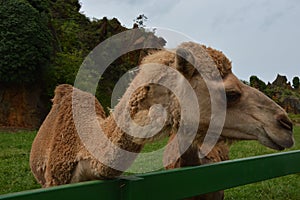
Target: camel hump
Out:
[61,91]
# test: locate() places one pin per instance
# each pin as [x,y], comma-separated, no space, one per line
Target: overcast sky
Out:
[261,37]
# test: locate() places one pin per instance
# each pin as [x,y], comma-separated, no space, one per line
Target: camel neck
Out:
[118,137]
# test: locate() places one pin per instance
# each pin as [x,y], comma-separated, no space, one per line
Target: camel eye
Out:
[232,97]
[147,88]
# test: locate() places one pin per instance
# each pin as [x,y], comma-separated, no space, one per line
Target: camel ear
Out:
[184,62]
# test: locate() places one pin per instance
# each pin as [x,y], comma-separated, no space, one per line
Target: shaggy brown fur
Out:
[204,57]
[56,141]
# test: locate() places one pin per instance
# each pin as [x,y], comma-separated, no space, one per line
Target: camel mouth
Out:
[269,140]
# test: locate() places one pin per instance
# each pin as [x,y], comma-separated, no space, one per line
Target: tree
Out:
[40,5]
[296,82]
[140,21]
[26,41]
[257,83]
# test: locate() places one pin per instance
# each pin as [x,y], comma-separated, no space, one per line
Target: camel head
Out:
[249,114]
[252,115]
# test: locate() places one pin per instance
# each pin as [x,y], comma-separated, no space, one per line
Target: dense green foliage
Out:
[47,40]
[296,82]
[25,38]
[257,83]
[76,36]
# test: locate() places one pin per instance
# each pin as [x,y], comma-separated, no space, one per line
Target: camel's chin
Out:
[266,140]
[271,144]
[263,137]
[269,139]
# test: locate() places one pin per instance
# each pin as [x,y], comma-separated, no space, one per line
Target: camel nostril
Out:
[285,122]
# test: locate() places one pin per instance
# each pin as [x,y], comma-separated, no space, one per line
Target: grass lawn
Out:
[15,174]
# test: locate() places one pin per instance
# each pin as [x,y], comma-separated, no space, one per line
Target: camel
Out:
[59,155]
[220,152]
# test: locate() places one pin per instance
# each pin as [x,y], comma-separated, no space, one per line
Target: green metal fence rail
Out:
[177,183]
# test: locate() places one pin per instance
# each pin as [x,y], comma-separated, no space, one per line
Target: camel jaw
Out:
[262,135]
[269,140]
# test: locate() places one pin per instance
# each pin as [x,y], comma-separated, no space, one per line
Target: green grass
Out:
[15,174]
[295,118]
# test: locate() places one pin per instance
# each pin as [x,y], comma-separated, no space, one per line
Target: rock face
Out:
[281,91]
[291,105]
[281,81]
[21,107]
[284,94]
